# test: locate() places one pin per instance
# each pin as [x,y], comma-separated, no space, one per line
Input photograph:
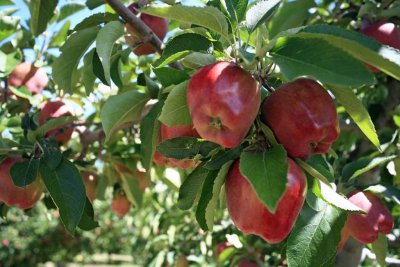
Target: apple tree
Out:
[280,116]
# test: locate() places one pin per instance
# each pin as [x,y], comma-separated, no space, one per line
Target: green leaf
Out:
[8,62]
[41,13]
[95,20]
[122,108]
[52,155]
[387,190]
[88,78]
[92,4]
[116,70]
[217,161]
[380,248]
[319,163]
[267,173]
[208,17]
[259,13]
[149,134]
[132,189]
[66,188]
[8,26]
[290,15]
[24,173]
[321,60]
[69,9]
[97,68]
[181,46]
[197,60]
[72,51]
[87,221]
[236,9]
[50,124]
[190,188]
[315,234]
[175,111]
[21,91]
[6,2]
[363,165]
[105,40]
[169,76]
[185,147]
[209,195]
[357,112]
[61,35]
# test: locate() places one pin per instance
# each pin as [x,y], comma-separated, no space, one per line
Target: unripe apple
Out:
[55,109]
[120,204]
[12,195]
[384,32]
[33,78]
[158,25]
[168,132]
[250,214]
[303,117]
[90,181]
[223,101]
[366,227]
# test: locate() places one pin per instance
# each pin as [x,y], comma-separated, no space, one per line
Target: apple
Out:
[250,214]
[33,78]
[120,204]
[158,25]
[302,116]
[248,263]
[142,177]
[55,109]
[90,181]
[12,195]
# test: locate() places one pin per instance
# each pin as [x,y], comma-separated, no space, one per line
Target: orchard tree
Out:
[281,118]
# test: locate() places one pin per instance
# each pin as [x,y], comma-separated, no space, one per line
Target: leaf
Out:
[363,165]
[267,173]
[92,4]
[185,147]
[259,13]
[61,35]
[105,40]
[191,187]
[8,62]
[52,155]
[149,133]
[21,91]
[24,173]
[95,20]
[197,60]
[315,234]
[169,76]
[290,15]
[88,78]
[122,108]
[380,248]
[97,68]
[87,221]
[386,190]
[208,17]
[66,188]
[6,2]
[329,195]
[236,9]
[319,163]
[175,110]
[50,124]
[321,60]
[357,112]
[181,46]
[72,51]
[115,68]
[69,9]
[8,26]
[217,161]
[209,195]
[41,13]
[132,189]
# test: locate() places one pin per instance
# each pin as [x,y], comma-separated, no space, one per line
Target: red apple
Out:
[33,78]
[251,216]
[90,181]
[248,263]
[120,204]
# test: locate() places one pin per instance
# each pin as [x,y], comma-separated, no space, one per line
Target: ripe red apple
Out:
[366,227]
[33,78]
[168,132]
[158,25]
[55,109]
[142,177]
[120,204]
[251,216]
[223,101]
[303,117]
[12,195]
[248,263]
[384,32]
[90,181]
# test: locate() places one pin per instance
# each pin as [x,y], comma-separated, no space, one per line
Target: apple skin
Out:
[221,247]
[55,109]
[158,25]
[90,181]
[384,32]
[303,117]
[365,228]
[251,216]
[248,263]
[168,132]
[33,78]
[223,101]
[120,205]
[12,195]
